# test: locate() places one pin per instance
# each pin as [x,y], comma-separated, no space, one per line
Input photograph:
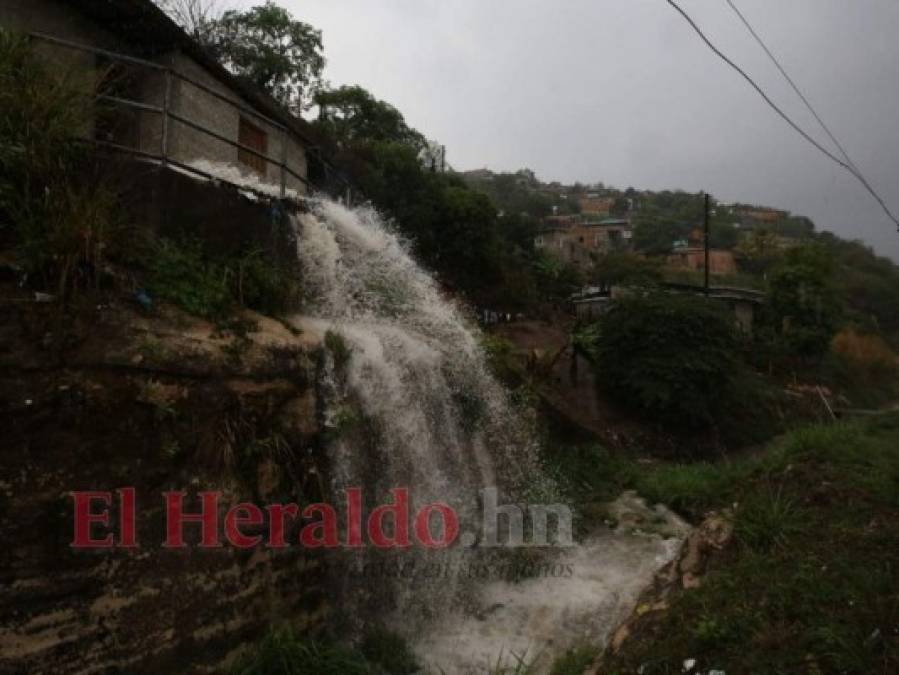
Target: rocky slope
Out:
[102,395]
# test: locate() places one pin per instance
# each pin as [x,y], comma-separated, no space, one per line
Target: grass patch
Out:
[574,662]
[812,584]
[285,652]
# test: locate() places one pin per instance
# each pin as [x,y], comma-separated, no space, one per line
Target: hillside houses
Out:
[578,240]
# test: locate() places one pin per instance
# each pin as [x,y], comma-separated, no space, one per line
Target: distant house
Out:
[167,99]
[596,206]
[721,262]
[479,174]
[578,241]
[760,216]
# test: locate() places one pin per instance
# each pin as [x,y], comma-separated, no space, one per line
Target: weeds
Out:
[574,662]
[768,519]
[261,284]
[813,586]
[54,199]
[520,665]
[181,273]
[389,651]
[340,350]
[284,652]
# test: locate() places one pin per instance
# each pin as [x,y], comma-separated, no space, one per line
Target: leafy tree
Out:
[803,301]
[656,236]
[759,251]
[624,268]
[556,279]
[670,357]
[268,47]
[723,235]
[351,115]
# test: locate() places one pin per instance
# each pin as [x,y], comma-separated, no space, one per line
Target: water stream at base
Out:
[412,403]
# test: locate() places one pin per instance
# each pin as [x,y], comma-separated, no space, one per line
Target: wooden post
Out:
[706,241]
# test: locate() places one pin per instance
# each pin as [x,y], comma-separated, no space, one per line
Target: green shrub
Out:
[184,273]
[181,273]
[56,204]
[670,357]
[283,652]
[263,285]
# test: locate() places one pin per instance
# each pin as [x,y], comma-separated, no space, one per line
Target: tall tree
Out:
[803,300]
[271,49]
[351,115]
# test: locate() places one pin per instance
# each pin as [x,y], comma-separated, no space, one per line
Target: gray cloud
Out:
[624,92]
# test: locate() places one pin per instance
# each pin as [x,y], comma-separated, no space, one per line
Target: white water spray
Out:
[412,403]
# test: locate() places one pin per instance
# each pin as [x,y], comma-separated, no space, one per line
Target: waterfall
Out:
[411,402]
[414,366]
[433,417]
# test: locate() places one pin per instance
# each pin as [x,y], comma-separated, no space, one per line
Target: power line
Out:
[780,112]
[793,85]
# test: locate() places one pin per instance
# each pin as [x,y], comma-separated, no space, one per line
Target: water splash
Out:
[412,402]
[416,367]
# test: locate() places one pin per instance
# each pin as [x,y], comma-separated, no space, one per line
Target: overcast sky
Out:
[624,92]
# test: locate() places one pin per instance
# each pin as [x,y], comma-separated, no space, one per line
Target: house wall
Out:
[59,20]
[184,143]
[720,262]
[62,21]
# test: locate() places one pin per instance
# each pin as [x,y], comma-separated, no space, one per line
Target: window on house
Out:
[255,138]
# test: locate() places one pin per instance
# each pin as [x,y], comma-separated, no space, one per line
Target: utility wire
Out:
[848,166]
[793,85]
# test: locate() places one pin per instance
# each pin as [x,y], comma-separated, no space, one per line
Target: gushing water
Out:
[412,403]
[415,366]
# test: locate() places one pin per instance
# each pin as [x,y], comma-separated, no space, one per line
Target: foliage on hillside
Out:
[672,357]
[184,273]
[810,583]
[264,45]
[56,207]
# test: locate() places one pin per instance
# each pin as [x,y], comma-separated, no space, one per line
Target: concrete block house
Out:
[167,100]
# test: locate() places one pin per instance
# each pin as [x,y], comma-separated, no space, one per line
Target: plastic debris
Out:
[144,300]
[689,665]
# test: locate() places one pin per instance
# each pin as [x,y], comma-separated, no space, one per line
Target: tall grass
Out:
[55,205]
